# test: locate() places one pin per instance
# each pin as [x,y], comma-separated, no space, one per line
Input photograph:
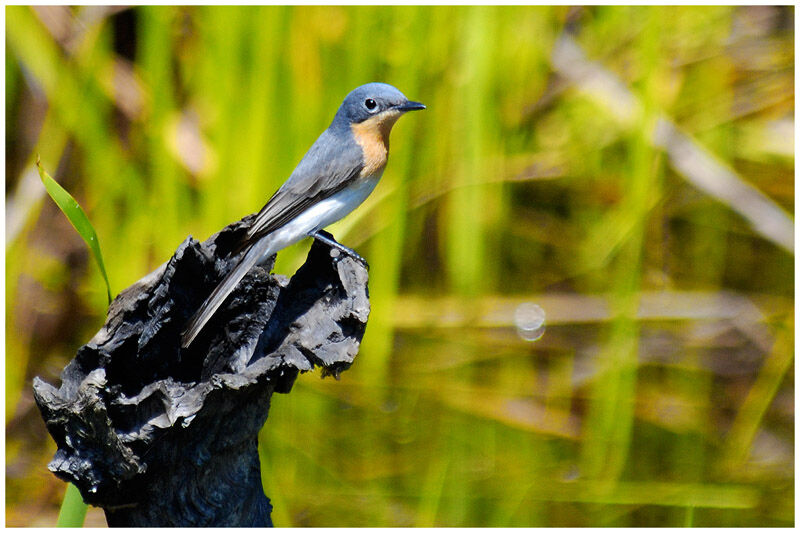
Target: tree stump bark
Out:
[160,436]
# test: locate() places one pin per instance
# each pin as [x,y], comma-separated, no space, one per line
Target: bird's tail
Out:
[225,287]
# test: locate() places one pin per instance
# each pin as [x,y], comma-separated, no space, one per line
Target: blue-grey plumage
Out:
[335,176]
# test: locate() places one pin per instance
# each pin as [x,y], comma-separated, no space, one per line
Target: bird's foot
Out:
[325,238]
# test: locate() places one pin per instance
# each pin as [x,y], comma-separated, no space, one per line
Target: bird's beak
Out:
[410,106]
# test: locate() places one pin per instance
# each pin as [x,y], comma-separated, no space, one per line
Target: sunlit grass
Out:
[73,510]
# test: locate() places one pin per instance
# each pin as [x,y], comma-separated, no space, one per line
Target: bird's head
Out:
[375,104]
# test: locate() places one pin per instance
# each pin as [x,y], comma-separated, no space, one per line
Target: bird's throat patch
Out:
[373,137]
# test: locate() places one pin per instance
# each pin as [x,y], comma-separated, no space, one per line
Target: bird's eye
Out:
[370,104]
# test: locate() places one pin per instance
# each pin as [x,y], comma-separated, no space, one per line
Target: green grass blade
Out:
[77,218]
[73,510]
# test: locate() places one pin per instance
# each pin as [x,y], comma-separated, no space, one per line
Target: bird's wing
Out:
[328,167]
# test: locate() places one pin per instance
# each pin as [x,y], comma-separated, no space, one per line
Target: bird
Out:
[335,176]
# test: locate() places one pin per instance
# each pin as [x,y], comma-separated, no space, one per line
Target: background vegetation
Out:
[627,169]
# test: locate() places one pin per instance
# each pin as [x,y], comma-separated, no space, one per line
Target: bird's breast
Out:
[372,135]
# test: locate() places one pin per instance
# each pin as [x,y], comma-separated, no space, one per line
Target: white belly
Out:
[320,215]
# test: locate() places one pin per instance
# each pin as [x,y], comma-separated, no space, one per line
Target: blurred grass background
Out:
[627,169]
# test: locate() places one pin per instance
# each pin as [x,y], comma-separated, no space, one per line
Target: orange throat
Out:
[373,137]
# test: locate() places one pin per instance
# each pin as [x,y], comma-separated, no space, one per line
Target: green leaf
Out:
[77,218]
[73,510]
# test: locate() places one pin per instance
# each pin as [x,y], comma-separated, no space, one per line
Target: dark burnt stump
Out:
[159,436]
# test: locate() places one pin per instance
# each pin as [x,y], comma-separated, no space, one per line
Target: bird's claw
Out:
[354,256]
[342,249]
